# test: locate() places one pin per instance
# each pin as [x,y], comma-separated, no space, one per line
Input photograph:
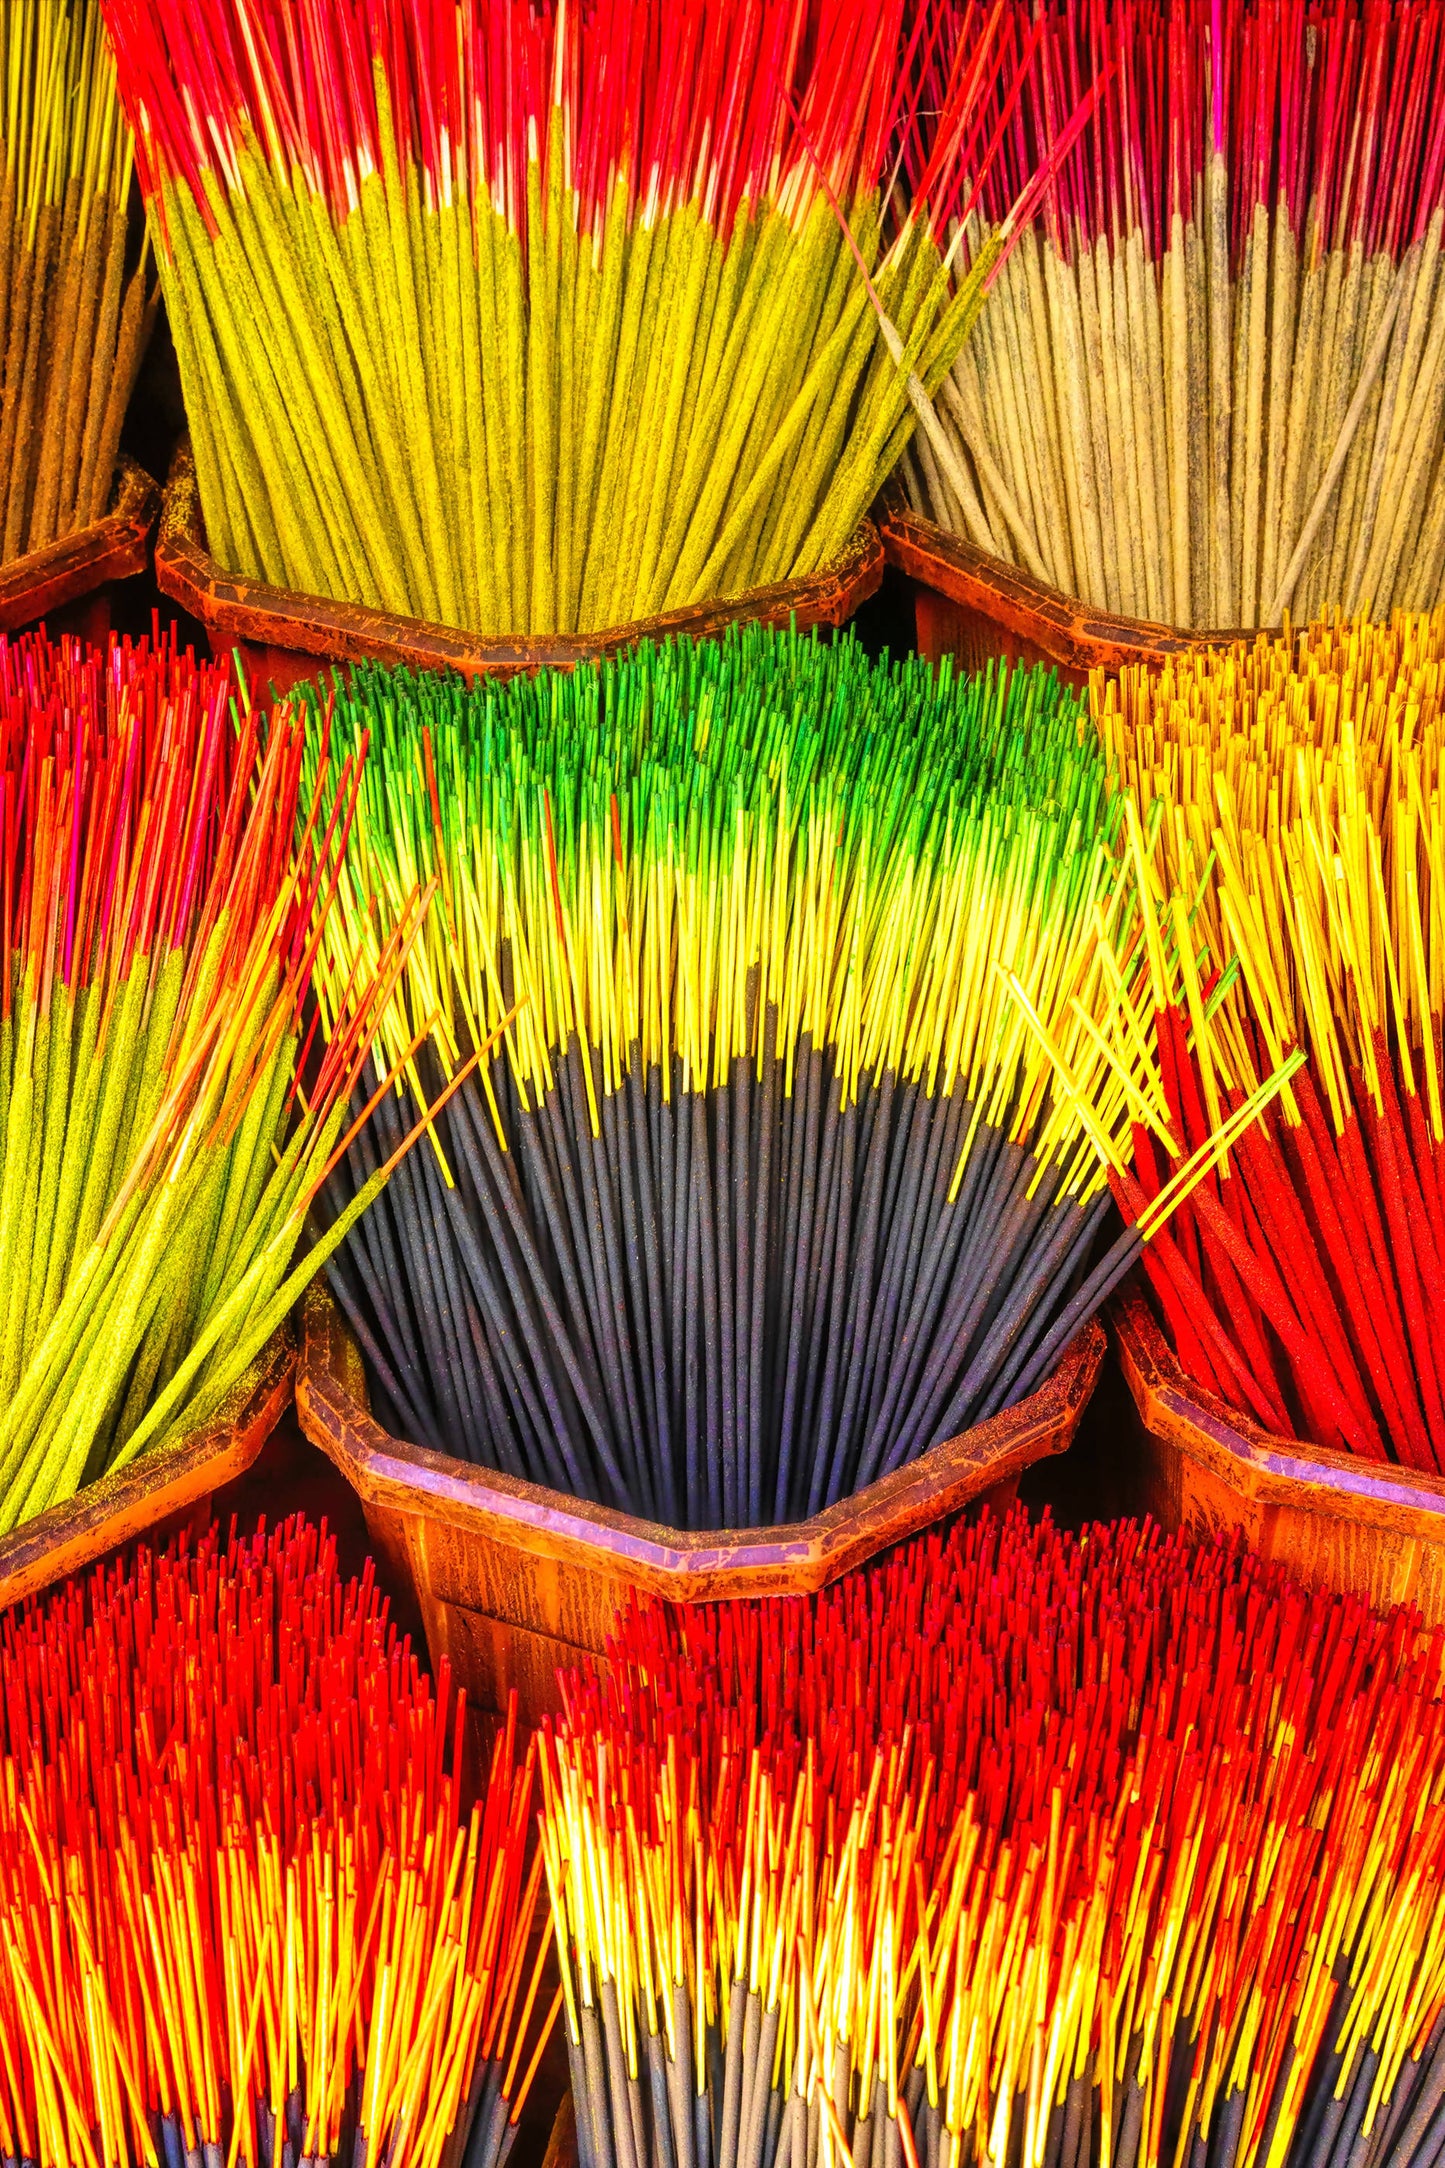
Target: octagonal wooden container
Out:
[1335,1520]
[973,606]
[283,637]
[512,1580]
[158,1492]
[68,583]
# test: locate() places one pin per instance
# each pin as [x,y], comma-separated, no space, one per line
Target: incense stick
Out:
[1284,822]
[76,297]
[246,1917]
[1019,1848]
[1210,379]
[164,881]
[765,1191]
[561,327]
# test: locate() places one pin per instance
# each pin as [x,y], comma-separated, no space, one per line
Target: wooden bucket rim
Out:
[1254,1462]
[1065,630]
[75,565]
[68,1537]
[234,608]
[796,1557]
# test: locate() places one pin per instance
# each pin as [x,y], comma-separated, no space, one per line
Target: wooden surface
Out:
[562,2145]
[1336,1520]
[285,637]
[44,582]
[511,1579]
[158,1491]
[970,605]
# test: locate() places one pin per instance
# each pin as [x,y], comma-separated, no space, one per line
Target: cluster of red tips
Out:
[1341,1346]
[242,1914]
[122,789]
[1324,108]
[141,809]
[688,103]
[1017,1848]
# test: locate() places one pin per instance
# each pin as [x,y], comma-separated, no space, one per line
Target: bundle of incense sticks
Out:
[1284,831]
[245,1916]
[1209,387]
[73,319]
[1019,1849]
[765,1191]
[563,324]
[164,881]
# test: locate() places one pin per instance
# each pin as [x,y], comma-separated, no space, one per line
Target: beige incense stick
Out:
[1374,344]
[1407,456]
[1427,588]
[1131,463]
[1341,353]
[1197,423]
[1219,317]
[1248,465]
[1379,282]
[1044,382]
[1384,431]
[1230,406]
[1146,313]
[1407,482]
[1374,361]
[1284,262]
[964,412]
[1176,363]
[1063,358]
[1025,431]
[1103,426]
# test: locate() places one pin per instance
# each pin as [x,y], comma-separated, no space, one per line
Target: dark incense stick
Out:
[764,1191]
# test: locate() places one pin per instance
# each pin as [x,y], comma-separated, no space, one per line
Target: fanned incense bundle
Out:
[1210,385]
[1285,833]
[1019,1850]
[73,318]
[542,317]
[163,883]
[243,1916]
[765,1191]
